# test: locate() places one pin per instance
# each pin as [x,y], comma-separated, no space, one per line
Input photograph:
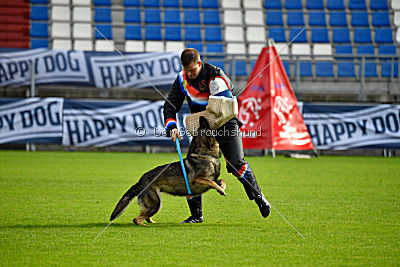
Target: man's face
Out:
[192,70]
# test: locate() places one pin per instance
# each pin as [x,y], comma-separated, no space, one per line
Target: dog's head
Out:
[206,141]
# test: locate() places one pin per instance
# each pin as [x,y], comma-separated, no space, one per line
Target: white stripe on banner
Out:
[32,118]
[376,126]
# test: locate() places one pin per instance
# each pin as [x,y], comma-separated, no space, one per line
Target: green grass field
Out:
[54,204]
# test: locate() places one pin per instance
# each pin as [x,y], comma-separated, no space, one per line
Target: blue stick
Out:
[178,148]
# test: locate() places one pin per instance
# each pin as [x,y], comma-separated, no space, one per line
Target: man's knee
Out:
[237,168]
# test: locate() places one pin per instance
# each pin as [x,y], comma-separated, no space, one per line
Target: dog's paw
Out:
[150,220]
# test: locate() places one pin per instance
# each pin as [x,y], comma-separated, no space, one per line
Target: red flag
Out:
[268,108]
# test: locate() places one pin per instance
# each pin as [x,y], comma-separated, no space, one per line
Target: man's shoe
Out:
[263,204]
[192,219]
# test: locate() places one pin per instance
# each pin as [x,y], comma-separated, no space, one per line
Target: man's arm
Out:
[172,106]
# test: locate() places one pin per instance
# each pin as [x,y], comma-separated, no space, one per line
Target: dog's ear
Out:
[204,123]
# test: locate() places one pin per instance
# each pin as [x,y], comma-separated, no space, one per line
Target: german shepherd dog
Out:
[202,168]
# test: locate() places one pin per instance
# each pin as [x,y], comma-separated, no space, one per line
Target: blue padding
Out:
[293,4]
[295,18]
[319,35]
[278,34]
[211,16]
[132,15]
[387,69]
[213,34]
[301,38]
[102,14]
[133,32]
[357,5]
[173,33]
[190,3]
[218,63]
[380,19]
[338,18]
[215,48]
[365,50]
[39,29]
[192,16]
[152,32]
[346,69]
[198,46]
[306,69]
[315,4]
[135,3]
[317,18]
[209,4]
[387,50]
[378,5]
[102,2]
[39,13]
[39,43]
[273,4]
[359,19]
[171,3]
[152,16]
[344,49]
[240,68]
[192,33]
[335,5]
[362,35]
[274,18]
[324,69]
[341,35]
[286,64]
[106,30]
[39,1]
[172,16]
[370,69]
[151,3]
[384,35]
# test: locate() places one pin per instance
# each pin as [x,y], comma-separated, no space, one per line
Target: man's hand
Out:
[174,134]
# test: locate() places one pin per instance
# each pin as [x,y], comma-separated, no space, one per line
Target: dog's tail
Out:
[124,202]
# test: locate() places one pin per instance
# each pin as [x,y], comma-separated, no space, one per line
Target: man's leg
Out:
[196,212]
[232,148]
[195,205]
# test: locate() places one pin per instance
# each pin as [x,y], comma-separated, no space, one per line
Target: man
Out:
[197,82]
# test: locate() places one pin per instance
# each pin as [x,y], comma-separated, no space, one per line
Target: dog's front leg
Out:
[204,181]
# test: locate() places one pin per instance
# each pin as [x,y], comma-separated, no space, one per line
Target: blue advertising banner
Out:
[31,120]
[99,124]
[343,127]
[95,69]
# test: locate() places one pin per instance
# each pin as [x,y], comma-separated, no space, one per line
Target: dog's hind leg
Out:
[150,203]
[210,183]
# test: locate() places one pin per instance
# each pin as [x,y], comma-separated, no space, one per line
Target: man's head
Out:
[191,63]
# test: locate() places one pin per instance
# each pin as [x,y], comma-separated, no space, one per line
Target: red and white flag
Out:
[268,108]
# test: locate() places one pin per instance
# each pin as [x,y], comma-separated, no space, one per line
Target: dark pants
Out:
[230,143]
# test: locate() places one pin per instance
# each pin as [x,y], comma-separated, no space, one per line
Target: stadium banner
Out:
[134,70]
[341,127]
[99,124]
[94,69]
[51,66]
[31,120]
